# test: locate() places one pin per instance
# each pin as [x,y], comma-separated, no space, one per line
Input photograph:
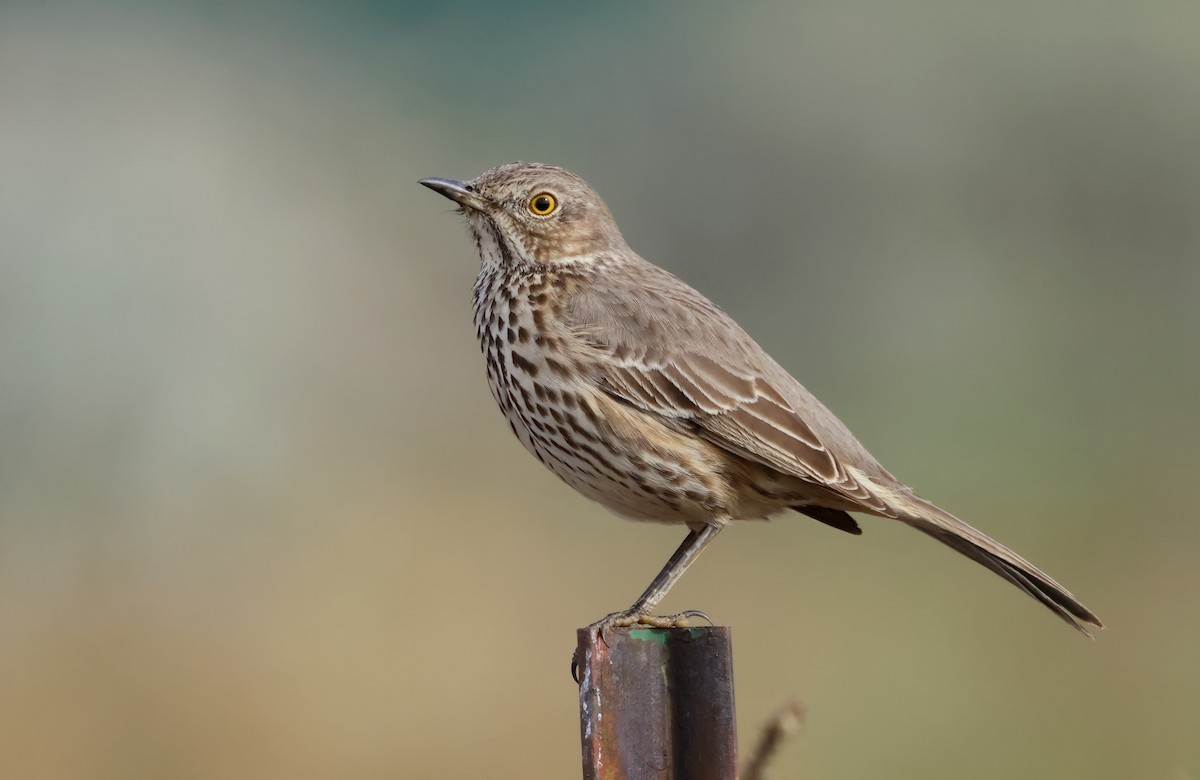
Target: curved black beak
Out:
[460,192]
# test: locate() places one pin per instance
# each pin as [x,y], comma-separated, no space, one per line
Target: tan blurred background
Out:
[260,518]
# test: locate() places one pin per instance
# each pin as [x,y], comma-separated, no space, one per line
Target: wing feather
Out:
[684,358]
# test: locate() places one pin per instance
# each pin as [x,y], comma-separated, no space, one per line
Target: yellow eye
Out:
[542,204]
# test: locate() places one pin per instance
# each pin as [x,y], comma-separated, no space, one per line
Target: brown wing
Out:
[673,353]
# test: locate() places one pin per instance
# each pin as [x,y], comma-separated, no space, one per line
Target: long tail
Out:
[952,532]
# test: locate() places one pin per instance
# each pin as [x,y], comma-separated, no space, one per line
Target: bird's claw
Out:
[630,618]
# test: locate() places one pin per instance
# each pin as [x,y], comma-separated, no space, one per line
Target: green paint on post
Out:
[660,635]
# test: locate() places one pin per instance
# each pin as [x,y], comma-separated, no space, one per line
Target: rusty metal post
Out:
[657,704]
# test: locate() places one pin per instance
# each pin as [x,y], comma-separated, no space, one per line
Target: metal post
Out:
[657,704]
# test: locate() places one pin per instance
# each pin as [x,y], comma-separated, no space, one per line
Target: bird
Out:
[646,397]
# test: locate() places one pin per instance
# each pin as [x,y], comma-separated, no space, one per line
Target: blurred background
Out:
[259,515]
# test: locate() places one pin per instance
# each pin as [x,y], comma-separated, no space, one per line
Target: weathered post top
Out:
[657,704]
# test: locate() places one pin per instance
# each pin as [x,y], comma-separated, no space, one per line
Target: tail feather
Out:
[956,534]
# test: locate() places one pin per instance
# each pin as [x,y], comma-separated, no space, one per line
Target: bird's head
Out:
[534,214]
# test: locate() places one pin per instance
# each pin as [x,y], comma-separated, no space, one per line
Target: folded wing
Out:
[685,360]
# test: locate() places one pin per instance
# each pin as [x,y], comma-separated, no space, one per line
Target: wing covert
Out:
[670,361]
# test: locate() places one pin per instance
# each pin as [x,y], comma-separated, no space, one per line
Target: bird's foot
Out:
[634,617]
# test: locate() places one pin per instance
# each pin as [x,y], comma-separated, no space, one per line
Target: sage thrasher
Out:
[643,395]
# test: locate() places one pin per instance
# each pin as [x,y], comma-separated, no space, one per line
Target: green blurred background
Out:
[259,516]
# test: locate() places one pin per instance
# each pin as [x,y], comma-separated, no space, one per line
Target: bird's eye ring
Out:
[543,204]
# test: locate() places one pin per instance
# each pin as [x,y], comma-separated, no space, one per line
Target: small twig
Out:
[783,725]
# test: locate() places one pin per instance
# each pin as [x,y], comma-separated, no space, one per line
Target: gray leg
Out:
[639,613]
